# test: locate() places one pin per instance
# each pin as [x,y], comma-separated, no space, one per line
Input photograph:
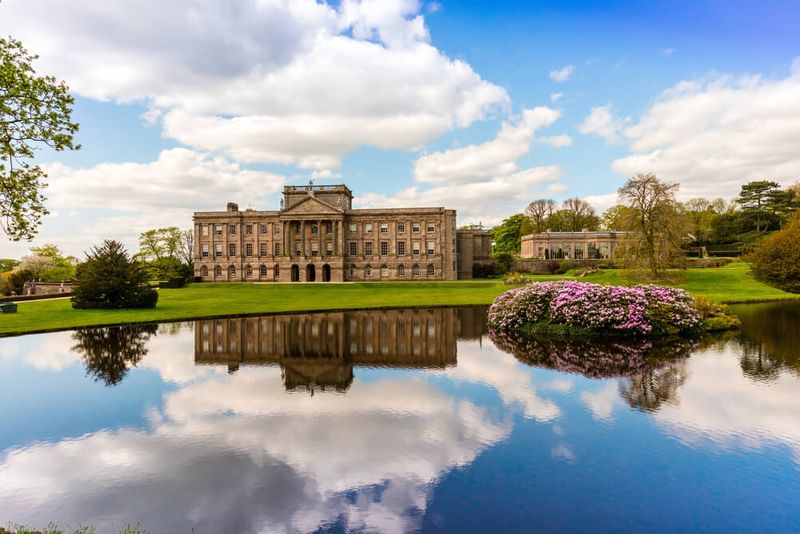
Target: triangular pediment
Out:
[312,206]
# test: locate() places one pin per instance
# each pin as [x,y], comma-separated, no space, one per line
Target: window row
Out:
[249,249]
[384,248]
[263,271]
[400,271]
[249,229]
[400,227]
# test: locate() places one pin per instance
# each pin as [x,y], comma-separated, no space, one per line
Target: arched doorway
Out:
[295,273]
[311,273]
[326,273]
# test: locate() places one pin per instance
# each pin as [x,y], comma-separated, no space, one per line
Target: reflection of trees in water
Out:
[109,352]
[595,357]
[769,338]
[655,386]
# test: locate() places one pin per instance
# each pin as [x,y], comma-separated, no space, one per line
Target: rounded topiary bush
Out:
[581,307]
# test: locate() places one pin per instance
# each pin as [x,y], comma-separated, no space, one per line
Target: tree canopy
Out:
[35,111]
[656,220]
[508,235]
[166,252]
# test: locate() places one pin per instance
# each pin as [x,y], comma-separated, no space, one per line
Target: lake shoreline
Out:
[732,284]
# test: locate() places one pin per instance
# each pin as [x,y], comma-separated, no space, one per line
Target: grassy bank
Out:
[732,283]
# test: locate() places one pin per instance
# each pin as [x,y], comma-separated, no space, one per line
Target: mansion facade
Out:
[317,236]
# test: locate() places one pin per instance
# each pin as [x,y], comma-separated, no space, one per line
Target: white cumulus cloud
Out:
[602,123]
[713,135]
[283,81]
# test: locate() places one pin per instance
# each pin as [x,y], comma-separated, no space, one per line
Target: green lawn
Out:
[733,283]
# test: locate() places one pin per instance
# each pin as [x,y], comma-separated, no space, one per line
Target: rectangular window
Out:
[218,249]
[262,228]
[353,228]
[218,229]
[401,248]
[205,251]
[384,228]
[329,228]
[277,229]
[384,248]
[329,248]
[415,248]
[315,249]
[248,249]
[277,249]
[367,228]
[415,227]
[232,229]
[204,228]
[248,229]
[430,249]
[298,248]
[431,228]
[401,227]
[368,248]
[231,249]
[262,249]
[353,248]
[314,228]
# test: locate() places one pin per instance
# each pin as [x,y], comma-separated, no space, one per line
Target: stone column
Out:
[320,243]
[340,237]
[303,239]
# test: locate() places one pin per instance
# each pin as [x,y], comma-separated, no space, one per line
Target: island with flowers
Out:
[580,308]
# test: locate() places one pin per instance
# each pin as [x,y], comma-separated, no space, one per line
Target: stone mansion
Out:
[317,236]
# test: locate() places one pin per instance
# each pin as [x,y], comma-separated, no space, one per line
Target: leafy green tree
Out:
[776,259]
[701,214]
[7,264]
[616,218]
[166,252]
[109,278]
[656,220]
[35,111]
[508,235]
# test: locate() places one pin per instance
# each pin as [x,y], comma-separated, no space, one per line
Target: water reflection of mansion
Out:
[319,351]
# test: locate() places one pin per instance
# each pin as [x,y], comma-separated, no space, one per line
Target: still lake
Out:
[396,421]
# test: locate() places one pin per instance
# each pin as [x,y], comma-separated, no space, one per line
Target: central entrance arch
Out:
[311,273]
[295,273]
[326,273]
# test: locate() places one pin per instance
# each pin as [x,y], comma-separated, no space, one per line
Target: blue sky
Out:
[479,106]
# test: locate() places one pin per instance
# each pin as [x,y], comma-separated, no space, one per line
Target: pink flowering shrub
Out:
[594,308]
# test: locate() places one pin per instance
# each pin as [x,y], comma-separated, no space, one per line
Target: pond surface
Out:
[394,421]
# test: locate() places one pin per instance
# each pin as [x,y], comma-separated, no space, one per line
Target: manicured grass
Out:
[732,283]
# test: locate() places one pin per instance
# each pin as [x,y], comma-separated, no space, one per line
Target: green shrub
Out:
[776,259]
[516,279]
[110,279]
[716,316]
[502,262]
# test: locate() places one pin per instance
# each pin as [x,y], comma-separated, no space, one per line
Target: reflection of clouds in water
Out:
[601,403]
[512,380]
[280,462]
[720,405]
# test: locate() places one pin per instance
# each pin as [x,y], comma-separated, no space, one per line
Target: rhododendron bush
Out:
[644,310]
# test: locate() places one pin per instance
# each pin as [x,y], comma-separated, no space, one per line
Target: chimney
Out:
[233,206]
